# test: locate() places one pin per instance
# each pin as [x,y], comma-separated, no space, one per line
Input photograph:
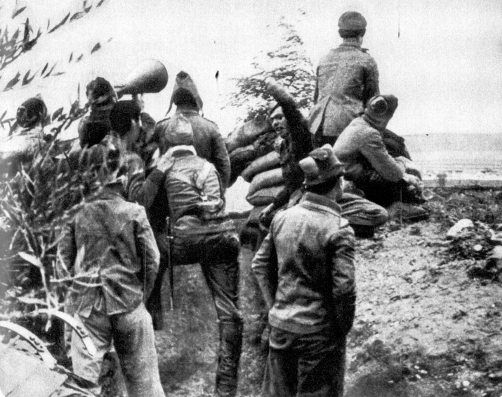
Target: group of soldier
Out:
[160,199]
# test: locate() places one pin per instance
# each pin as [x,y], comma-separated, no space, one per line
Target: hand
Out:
[277,90]
[165,163]
[269,81]
[412,180]
[266,211]
[138,98]
[265,217]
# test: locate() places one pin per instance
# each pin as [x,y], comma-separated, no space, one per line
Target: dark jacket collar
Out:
[112,190]
[186,109]
[350,42]
[309,197]
[353,44]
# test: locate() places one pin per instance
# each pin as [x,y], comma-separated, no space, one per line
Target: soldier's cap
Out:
[352,20]
[31,112]
[184,86]
[179,131]
[100,92]
[381,105]
[321,166]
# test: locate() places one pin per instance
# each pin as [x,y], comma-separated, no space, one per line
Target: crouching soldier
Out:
[392,182]
[110,251]
[363,215]
[305,268]
[203,233]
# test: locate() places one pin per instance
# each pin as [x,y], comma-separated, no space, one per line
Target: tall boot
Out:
[228,358]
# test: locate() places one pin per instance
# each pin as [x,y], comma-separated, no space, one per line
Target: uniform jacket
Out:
[180,184]
[346,78]
[208,142]
[110,249]
[362,148]
[305,268]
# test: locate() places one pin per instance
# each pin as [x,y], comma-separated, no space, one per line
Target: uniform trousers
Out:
[133,338]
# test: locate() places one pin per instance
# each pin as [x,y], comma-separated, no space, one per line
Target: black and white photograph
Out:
[231,198]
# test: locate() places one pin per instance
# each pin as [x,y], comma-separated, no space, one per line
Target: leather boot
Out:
[228,359]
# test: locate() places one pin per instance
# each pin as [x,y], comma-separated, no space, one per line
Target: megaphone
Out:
[150,76]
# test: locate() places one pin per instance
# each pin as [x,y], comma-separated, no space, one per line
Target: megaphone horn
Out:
[150,76]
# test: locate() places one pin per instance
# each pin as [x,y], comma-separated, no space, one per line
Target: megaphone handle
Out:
[138,98]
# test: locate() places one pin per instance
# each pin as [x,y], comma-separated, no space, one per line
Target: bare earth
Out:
[423,327]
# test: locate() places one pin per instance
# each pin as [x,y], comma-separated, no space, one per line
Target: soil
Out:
[423,328]
[426,324]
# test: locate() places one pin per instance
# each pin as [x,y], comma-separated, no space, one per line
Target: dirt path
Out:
[423,327]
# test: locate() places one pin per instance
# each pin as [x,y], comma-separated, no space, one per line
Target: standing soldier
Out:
[346,78]
[208,142]
[110,250]
[203,233]
[305,268]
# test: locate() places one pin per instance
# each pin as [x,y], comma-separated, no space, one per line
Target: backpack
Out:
[208,219]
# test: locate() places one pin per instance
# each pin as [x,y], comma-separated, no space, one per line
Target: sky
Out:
[442,59]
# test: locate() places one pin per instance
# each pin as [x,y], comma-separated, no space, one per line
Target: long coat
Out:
[346,78]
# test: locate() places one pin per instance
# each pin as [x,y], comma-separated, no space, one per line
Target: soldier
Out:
[125,129]
[101,98]
[305,269]
[31,117]
[208,142]
[203,233]
[392,182]
[346,78]
[110,250]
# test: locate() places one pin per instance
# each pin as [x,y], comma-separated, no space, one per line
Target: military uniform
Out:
[346,79]
[110,249]
[305,268]
[208,142]
[362,214]
[369,165]
[212,241]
